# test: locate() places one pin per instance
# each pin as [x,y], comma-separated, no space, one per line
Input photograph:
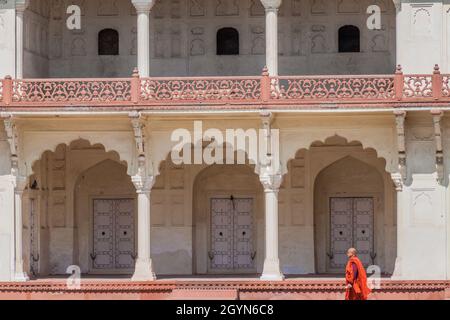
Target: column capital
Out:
[271,181]
[20,182]
[398,4]
[21,5]
[143,183]
[143,6]
[271,4]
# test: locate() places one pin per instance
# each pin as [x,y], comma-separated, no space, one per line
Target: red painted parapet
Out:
[70,91]
[263,91]
[200,90]
[340,88]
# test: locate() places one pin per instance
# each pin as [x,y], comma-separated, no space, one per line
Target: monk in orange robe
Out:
[356,278]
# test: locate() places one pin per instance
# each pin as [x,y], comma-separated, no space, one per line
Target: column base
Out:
[21,277]
[144,271]
[272,271]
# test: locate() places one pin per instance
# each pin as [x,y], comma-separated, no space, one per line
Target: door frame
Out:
[238,195]
[92,198]
[377,218]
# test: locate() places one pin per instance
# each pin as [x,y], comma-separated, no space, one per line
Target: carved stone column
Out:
[19,187]
[271,8]
[400,117]
[437,117]
[271,183]
[144,266]
[19,182]
[271,178]
[21,6]
[143,8]
[143,182]
[399,179]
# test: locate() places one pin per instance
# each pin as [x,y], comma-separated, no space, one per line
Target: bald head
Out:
[351,252]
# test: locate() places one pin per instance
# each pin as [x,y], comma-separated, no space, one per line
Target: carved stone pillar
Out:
[144,266]
[437,117]
[143,8]
[271,8]
[143,182]
[21,6]
[19,187]
[399,179]
[400,117]
[271,178]
[271,183]
[19,182]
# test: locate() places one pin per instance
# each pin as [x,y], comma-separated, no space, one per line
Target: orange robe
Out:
[359,289]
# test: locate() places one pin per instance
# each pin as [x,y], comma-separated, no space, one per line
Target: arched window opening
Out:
[227,41]
[108,42]
[349,39]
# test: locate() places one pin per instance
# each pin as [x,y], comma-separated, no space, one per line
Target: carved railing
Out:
[78,91]
[156,90]
[334,88]
[260,92]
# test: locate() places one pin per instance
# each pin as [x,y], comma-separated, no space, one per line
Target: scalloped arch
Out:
[158,162]
[34,147]
[380,145]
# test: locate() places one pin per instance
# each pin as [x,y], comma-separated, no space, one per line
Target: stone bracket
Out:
[139,132]
[437,118]
[12,135]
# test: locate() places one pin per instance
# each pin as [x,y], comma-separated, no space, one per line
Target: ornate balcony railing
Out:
[394,90]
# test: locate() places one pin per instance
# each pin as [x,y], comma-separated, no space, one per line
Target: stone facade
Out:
[55,161]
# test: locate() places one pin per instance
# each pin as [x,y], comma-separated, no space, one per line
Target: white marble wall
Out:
[183,38]
[7,39]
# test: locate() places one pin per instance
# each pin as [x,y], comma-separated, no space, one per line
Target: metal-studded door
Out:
[351,225]
[231,235]
[114,238]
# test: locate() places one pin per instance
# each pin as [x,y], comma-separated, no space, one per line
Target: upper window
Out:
[349,39]
[227,41]
[108,42]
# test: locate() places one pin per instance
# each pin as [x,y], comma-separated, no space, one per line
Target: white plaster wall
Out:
[183,38]
[36,34]
[7,38]
[421,35]
[6,209]
[5,154]
[422,213]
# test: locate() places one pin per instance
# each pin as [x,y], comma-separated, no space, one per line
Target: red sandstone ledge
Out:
[242,285]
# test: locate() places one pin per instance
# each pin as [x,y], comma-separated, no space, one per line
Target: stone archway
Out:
[228,213]
[304,232]
[354,206]
[105,219]
[54,232]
